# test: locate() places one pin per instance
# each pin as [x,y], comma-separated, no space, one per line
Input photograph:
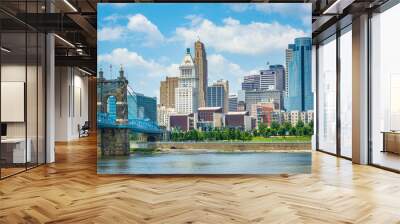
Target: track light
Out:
[5,50]
[64,40]
[84,71]
[70,5]
[337,7]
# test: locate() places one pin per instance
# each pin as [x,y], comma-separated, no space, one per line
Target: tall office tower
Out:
[262,95]
[217,95]
[300,87]
[267,79]
[200,60]
[142,107]
[187,92]
[279,76]
[233,103]
[251,82]
[289,58]
[167,92]
[163,115]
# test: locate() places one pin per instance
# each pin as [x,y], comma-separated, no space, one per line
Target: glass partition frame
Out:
[30,56]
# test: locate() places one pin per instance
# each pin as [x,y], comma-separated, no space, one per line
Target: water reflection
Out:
[207,163]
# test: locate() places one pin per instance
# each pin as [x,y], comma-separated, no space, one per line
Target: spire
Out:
[101,74]
[121,72]
[187,59]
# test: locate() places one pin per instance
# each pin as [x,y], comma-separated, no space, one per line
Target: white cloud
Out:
[140,24]
[300,9]
[292,9]
[113,18]
[110,33]
[233,37]
[138,27]
[194,19]
[137,63]
[239,7]
[220,67]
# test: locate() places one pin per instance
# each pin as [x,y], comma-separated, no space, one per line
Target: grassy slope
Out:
[282,139]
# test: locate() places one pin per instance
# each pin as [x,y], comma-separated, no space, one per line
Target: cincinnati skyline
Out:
[239,39]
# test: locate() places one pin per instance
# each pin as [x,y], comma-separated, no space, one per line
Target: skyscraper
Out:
[279,76]
[142,107]
[273,78]
[289,58]
[167,92]
[200,60]
[218,94]
[251,82]
[233,103]
[267,79]
[300,87]
[186,95]
[262,95]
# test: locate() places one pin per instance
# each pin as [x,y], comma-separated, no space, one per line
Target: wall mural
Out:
[204,88]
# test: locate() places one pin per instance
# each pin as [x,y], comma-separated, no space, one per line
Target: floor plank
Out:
[70,191]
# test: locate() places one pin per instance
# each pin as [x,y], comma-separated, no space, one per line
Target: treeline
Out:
[285,129]
[219,134]
[216,134]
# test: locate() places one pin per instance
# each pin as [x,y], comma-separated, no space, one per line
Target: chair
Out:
[84,130]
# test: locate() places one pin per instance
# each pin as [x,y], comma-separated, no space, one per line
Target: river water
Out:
[207,163]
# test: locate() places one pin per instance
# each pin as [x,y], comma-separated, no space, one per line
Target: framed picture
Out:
[200,88]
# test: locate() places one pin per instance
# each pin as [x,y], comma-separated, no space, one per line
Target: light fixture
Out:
[5,50]
[64,40]
[337,7]
[84,71]
[70,5]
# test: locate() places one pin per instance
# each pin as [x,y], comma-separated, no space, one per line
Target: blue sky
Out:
[150,39]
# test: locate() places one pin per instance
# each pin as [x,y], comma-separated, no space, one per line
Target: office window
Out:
[327,95]
[385,89]
[346,93]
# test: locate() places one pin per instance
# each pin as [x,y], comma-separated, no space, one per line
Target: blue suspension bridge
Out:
[113,122]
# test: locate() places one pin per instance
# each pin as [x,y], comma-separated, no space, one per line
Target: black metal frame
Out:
[338,33]
[37,164]
[387,5]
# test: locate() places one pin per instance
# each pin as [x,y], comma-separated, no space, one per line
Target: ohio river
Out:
[207,163]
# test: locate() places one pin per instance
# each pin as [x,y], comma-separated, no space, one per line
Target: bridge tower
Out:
[113,141]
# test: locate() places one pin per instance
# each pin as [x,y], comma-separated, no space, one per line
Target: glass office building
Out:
[148,105]
[300,96]
[216,96]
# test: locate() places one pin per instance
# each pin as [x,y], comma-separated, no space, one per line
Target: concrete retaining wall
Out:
[231,146]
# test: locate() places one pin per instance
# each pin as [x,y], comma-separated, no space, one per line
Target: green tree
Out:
[292,131]
[287,126]
[300,124]
[275,125]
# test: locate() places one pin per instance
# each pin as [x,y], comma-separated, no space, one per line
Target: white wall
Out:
[71,102]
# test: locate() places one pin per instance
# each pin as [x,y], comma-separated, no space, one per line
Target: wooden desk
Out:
[13,150]
[391,141]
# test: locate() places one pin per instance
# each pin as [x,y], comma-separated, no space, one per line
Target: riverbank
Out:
[222,146]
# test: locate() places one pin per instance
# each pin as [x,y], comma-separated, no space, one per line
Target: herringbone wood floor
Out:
[70,191]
